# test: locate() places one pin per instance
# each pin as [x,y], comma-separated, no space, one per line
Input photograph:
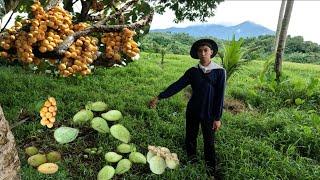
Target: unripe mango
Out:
[31,150]
[53,156]
[37,160]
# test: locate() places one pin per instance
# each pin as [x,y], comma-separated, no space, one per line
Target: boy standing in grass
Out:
[205,106]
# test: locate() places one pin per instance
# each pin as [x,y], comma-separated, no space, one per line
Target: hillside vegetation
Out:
[272,136]
[296,50]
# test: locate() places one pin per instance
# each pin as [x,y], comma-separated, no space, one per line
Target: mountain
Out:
[245,29]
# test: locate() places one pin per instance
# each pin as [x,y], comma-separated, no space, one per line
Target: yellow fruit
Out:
[51,109]
[47,104]
[48,168]
[43,121]
[52,119]
[44,109]
[50,125]
[52,101]
[48,115]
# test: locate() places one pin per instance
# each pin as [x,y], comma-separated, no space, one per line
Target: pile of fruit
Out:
[48,112]
[118,161]
[45,163]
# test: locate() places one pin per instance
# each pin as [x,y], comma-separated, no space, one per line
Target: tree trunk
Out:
[9,160]
[282,39]
[276,40]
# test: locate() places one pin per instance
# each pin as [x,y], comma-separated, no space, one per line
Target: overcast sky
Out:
[304,18]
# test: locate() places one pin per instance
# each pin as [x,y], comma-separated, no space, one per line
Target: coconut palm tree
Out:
[282,39]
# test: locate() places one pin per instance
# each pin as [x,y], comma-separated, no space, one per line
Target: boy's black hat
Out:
[208,42]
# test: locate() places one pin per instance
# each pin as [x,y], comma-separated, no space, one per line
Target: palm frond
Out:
[232,55]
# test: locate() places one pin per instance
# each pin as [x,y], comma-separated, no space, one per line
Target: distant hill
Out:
[245,29]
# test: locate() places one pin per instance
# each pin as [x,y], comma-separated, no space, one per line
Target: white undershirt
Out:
[211,66]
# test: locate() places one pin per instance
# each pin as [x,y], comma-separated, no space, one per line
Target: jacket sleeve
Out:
[176,86]
[219,96]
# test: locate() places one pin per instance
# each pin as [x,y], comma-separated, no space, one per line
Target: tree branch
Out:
[7,21]
[84,10]
[101,28]
[120,11]
[52,3]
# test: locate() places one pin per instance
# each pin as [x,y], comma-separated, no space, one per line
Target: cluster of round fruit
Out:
[79,56]
[92,151]
[159,158]
[120,41]
[45,163]
[48,112]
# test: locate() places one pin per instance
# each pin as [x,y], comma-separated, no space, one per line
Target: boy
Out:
[205,106]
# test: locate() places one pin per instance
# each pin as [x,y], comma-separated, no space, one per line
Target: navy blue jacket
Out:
[207,97]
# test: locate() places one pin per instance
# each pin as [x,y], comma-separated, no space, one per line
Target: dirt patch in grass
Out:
[234,106]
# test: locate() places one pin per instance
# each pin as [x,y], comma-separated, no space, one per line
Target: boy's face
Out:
[204,53]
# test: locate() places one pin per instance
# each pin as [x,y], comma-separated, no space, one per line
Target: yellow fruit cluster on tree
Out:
[27,39]
[117,42]
[48,112]
[79,56]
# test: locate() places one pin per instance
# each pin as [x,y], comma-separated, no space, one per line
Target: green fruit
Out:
[97,106]
[37,160]
[82,116]
[112,157]
[123,166]
[137,157]
[31,150]
[121,133]
[53,156]
[65,134]
[100,125]
[87,150]
[157,165]
[124,148]
[107,172]
[112,115]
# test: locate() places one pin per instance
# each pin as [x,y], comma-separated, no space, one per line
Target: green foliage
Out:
[2,9]
[232,54]
[273,140]
[190,10]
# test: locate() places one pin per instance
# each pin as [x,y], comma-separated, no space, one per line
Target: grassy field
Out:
[271,138]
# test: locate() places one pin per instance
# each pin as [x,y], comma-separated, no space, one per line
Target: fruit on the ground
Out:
[112,115]
[48,168]
[30,151]
[82,116]
[137,157]
[97,106]
[112,157]
[100,125]
[48,112]
[123,166]
[53,156]
[157,164]
[121,133]
[37,160]
[65,134]
[107,172]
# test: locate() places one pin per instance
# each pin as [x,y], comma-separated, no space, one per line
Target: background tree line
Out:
[296,50]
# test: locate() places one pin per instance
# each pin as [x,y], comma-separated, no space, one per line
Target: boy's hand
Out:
[153,102]
[216,125]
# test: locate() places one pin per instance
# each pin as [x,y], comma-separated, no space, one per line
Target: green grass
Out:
[270,140]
